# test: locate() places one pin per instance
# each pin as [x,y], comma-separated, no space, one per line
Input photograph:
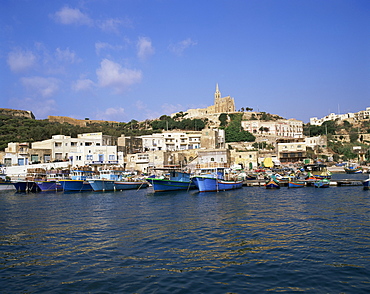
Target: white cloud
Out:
[112,114]
[111,25]
[181,46]
[144,48]
[20,61]
[83,85]
[66,55]
[100,46]
[45,87]
[113,75]
[68,16]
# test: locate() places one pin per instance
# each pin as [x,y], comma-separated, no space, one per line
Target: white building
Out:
[96,155]
[288,128]
[172,141]
[61,145]
[361,115]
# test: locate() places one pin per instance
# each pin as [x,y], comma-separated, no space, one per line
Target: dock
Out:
[284,183]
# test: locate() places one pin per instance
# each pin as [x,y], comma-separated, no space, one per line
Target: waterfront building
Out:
[21,154]
[96,156]
[61,145]
[291,150]
[246,159]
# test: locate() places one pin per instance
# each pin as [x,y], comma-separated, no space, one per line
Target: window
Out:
[112,157]
[89,157]
[212,159]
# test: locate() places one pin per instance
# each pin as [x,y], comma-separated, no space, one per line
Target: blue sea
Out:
[251,240]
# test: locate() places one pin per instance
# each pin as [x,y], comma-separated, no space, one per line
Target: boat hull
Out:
[322,184]
[6,186]
[119,186]
[366,184]
[102,185]
[296,184]
[272,185]
[49,186]
[26,186]
[207,184]
[161,185]
[75,185]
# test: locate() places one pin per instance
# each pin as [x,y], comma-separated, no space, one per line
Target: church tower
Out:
[217,95]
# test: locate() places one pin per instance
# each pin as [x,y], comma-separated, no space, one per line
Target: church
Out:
[221,105]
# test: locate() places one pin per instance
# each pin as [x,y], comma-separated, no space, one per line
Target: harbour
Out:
[251,240]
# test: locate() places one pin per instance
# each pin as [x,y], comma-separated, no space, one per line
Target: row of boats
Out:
[171,179]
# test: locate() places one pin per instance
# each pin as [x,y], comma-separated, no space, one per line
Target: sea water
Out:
[250,240]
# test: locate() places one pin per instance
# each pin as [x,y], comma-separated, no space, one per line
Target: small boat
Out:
[214,180]
[78,181]
[174,180]
[272,183]
[296,184]
[353,169]
[324,183]
[366,184]
[318,171]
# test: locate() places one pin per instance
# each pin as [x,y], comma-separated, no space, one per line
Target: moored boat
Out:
[5,183]
[78,181]
[174,180]
[272,183]
[366,184]
[29,183]
[319,171]
[214,181]
[296,184]
[324,183]
[52,180]
[353,169]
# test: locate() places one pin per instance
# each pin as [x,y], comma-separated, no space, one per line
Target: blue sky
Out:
[139,59]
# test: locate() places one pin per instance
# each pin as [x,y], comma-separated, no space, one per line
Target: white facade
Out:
[96,155]
[172,141]
[290,128]
[61,145]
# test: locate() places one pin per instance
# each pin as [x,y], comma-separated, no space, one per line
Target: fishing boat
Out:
[319,171]
[52,180]
[28,184]
[78,181]
[366,184]
[214,180]
[353,169]
[324,183]
[296,184]
[272,183]
[174,180]
[106,178]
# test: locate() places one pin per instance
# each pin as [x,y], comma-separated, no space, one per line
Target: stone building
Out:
[221,105]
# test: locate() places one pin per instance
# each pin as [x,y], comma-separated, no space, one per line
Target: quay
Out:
[284,183]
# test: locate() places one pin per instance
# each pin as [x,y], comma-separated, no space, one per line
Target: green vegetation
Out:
[165,122]
[234,131]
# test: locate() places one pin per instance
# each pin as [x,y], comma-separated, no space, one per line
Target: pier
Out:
[284,183]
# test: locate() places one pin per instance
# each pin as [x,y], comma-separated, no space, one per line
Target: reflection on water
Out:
[248,240]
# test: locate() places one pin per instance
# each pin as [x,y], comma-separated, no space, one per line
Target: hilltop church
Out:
[221,105]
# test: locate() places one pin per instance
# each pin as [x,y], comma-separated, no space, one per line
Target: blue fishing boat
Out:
[296,184]
[318,171]
[52,180]
[29,182]
[78,181]
[172,181]
[366,184]
[213,180]
[353,169]
[324,183]
[272,183]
